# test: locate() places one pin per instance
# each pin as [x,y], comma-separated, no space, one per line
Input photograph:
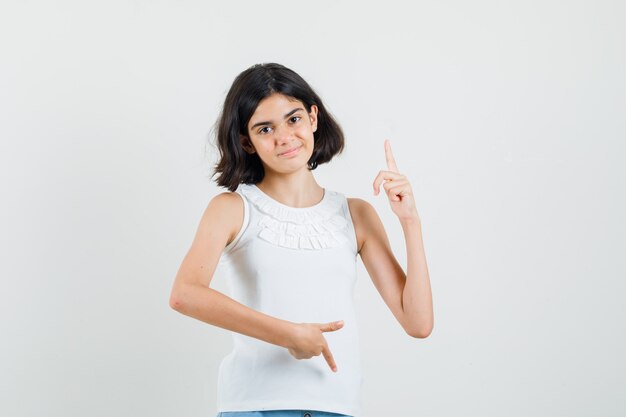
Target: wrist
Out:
[287,334]
[413,220]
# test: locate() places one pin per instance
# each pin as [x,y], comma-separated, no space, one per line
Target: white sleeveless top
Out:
[296,264]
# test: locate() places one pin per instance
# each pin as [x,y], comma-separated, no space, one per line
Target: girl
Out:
[289,248]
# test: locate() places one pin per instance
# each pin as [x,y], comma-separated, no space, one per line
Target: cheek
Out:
[305,130]
[267,147]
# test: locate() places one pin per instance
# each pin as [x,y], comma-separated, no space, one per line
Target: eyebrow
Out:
[286,116]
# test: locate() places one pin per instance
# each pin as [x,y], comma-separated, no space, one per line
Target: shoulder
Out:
[227,209]
[227,198]
[225,201]
[364,217]
[360,207]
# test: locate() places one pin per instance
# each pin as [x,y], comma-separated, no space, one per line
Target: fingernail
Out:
[340,322]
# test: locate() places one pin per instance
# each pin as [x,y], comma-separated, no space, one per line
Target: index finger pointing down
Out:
[329,358]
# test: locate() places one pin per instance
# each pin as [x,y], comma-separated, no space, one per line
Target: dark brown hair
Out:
[235,165]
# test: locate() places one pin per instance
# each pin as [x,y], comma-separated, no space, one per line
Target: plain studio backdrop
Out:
[508,118]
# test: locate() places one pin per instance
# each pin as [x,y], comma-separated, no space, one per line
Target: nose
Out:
[283,132]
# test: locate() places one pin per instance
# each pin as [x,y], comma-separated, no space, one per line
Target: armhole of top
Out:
[353,240]
[246,219]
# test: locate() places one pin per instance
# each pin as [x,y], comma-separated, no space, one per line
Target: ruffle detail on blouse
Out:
[316,227]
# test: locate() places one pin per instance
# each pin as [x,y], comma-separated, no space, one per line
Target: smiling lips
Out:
[290,152]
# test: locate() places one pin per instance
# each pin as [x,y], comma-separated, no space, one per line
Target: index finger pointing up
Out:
[391,163]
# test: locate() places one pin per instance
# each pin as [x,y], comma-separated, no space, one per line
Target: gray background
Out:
[507,117]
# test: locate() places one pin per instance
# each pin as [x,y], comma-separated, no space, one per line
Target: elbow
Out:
[182,297]
[420,332]
[176,301]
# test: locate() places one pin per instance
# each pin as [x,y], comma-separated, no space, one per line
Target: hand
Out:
[308,341]
[397,187]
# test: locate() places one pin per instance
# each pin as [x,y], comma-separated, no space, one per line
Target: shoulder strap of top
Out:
[244,225]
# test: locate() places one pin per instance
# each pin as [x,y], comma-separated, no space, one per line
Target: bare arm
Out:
[409,295]
[191,293]
[417,300]
[216,308]
[192,296]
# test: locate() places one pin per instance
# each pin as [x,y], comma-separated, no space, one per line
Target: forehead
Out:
[274,106]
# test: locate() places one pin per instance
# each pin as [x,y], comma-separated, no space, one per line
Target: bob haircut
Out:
[235,165]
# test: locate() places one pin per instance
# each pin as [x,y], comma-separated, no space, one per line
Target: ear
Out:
[313,117]
[246,144]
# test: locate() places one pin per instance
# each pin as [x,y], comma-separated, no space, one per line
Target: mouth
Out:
[291,151]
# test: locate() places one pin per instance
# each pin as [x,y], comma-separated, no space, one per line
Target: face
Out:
[279,124]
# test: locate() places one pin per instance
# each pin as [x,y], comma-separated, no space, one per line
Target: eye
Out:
[262,131]
[295,117]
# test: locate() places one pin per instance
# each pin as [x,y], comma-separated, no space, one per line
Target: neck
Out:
[300,190]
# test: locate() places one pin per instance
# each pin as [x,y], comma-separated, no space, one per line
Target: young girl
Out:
[289,248]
